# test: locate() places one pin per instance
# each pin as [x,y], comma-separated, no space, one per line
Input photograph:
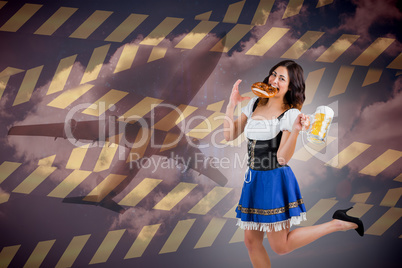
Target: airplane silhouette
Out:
[190,71]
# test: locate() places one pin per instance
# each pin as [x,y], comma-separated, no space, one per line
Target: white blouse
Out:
[264,129]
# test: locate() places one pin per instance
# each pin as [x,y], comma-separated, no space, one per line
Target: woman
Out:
[271,201]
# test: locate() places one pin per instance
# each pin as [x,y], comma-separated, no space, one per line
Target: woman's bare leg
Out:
[285,241]
[258,255]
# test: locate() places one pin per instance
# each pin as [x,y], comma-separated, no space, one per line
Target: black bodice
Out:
[262,153]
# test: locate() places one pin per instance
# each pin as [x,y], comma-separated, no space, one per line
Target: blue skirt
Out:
[270,200]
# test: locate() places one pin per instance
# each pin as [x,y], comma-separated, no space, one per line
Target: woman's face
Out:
[280,79]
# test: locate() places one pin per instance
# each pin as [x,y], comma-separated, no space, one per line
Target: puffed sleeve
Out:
[248,109]
[286,122]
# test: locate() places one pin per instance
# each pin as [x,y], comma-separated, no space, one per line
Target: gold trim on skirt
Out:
[267,212]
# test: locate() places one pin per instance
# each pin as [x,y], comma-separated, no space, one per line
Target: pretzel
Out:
[264,90]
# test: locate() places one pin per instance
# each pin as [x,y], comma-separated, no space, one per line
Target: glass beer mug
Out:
[319,124]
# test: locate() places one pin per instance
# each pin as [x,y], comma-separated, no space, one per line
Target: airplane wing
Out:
[187,154]
[91,130]
[187,76]
[199,162]
[83,130]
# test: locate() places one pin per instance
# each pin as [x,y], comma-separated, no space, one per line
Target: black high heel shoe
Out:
[341,215]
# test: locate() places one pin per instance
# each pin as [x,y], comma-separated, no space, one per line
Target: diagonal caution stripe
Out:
[293,8]
[385,222]
[7,168]
[175,196]
[322,3]
[71,182]
[177,236]
[105,102]
[196,35]
[210,200]
[338,48]
[2,4]
[126,58]
[62,73]
[104,188]
[142,241]
[161,31]
[68,97]
[72,251]
[28,85]
[267,41]
[210,234]
[126,28]
[95,64]
[342,80]
[91,24]
[34,179]
[232,38]
[145,187]
[392,197]
[373,76]
[20,18]
[7,255]
[56,21]
[312,81]
[302,45]
[39,253]
[107,246]
[382,162]
[262,12]
[5,76]
[348,154]
[233,12]
[157,53]
[373,51]
[396,63]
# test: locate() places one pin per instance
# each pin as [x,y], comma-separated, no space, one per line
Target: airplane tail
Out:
[107,203]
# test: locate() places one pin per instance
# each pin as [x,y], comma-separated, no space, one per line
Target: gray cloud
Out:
[379,121]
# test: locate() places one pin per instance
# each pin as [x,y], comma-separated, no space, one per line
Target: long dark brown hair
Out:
[295,96]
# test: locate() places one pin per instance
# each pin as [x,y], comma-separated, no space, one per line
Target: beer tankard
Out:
[319,124]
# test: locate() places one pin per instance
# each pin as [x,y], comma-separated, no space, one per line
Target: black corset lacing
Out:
[262,154]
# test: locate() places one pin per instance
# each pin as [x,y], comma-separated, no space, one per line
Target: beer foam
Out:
[325,110]
[322,120]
